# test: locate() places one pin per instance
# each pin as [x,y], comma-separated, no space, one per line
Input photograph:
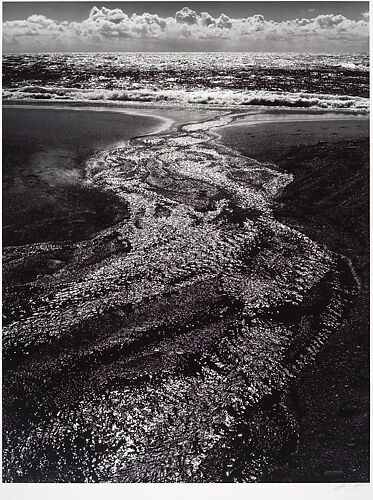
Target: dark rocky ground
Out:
[329,202]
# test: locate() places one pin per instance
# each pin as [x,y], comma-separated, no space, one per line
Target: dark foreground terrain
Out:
[45,196]
[328,201]
[178,344]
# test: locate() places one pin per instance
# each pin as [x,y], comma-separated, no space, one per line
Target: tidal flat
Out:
[166,342]
[328,201]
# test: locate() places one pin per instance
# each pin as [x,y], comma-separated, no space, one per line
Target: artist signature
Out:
[346,485]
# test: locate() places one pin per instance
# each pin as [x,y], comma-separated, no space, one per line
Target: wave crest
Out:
[219,98]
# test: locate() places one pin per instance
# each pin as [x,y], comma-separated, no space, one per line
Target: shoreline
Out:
[239,115]
[44,159]
[194,194]
[127,111]
[282,117]
[165,106]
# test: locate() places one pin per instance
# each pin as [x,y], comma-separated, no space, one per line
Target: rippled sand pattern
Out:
[162,349]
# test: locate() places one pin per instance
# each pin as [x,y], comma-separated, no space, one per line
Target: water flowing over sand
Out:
[161,349]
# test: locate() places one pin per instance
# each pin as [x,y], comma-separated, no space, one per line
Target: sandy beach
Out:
[328,201]
[44,154]
[123,248]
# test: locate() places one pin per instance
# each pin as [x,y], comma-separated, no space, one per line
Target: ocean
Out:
[316,81]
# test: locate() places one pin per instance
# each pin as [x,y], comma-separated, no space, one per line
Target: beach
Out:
[329,201]
[45,196]
[185,254]
[206,259]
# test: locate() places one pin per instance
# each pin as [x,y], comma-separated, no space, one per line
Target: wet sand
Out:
[45,197]
[329,202]
[273,140]
[44,153]
[119,348]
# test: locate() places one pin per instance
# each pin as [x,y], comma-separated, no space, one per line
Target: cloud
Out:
[187,16]
[111,26]
[33,25]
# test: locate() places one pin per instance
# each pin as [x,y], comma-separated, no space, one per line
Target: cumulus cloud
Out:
[187,16]
[104,25]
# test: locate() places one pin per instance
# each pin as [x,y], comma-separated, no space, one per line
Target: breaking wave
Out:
[219,98]
[317,81]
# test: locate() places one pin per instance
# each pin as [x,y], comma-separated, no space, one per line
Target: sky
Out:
[186,26]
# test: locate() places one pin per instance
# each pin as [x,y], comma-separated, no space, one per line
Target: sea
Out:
[316,81]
